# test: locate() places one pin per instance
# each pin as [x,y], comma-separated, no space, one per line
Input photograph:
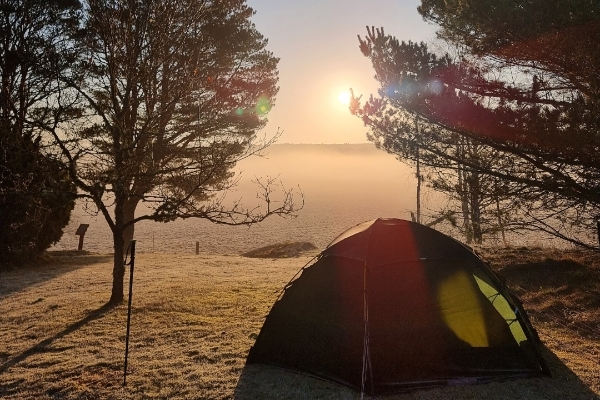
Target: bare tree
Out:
[171,94]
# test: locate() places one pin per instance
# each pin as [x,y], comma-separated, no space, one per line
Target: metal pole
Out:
[131,264]
[418,172]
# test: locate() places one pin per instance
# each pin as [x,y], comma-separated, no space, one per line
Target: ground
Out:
[195,317]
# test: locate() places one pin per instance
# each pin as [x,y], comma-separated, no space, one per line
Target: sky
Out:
[316,41]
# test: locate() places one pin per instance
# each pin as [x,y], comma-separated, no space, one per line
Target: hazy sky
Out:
[319,58]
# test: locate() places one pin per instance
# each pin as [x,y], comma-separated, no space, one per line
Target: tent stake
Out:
[131,264]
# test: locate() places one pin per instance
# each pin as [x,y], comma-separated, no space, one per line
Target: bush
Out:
[36,199]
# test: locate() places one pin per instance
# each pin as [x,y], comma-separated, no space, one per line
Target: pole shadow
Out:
[46,343]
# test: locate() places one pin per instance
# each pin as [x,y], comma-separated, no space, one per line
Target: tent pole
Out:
[131,264]
[366,368]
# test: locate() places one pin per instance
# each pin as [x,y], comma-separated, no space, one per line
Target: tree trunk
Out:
[124,212]
[418,189]
[418,174]
[464,203]
[499,214]
[116,296]
[475,190]
[476,224]
[128,215]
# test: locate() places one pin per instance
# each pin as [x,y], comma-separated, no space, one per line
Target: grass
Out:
[195,318]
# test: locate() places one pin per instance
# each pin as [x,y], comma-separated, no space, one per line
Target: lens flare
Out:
[263,106]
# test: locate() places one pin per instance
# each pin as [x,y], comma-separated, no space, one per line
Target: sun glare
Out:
[344,97]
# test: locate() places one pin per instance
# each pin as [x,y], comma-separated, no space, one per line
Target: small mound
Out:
[281,250]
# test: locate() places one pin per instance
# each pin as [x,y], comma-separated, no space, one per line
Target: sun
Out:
[344,97]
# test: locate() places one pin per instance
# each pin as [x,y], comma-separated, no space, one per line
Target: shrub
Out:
[36,199]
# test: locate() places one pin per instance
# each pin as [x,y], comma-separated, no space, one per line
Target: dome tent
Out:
[392,305]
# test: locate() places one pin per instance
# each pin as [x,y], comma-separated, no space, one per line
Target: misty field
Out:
[195,317]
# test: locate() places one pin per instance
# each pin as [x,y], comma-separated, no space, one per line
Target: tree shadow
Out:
[49,266]
[266,382]
[44,345]
[552,285]
[550,273]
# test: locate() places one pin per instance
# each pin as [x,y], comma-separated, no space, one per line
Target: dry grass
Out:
[195,317]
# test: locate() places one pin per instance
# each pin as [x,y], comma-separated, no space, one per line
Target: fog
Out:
[351,175]
[343,185]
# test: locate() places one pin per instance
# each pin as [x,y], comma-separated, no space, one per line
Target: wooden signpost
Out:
[81,232]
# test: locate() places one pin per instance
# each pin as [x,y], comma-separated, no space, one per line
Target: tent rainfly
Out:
[391,305]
